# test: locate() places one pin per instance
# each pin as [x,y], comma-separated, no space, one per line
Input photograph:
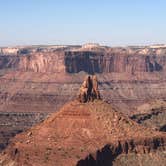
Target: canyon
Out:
[36,81]
[52,75]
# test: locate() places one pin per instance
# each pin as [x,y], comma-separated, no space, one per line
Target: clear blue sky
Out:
[110,22]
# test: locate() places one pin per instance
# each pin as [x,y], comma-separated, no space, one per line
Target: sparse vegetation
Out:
[77,156]
[81,149]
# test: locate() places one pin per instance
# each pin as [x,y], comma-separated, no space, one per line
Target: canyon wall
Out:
[43,62]
[96,62]
[88,61]
[9,62]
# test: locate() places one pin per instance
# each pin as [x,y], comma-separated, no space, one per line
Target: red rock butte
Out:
[82,134]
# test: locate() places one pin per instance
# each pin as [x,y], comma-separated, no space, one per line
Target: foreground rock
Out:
[82,134]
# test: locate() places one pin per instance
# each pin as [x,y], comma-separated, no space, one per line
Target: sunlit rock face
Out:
[91,62]
[90,58]
[43,62]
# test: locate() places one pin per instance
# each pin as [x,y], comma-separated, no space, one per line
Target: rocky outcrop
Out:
[109,153]
[89,90]
[82,134]
[48,92]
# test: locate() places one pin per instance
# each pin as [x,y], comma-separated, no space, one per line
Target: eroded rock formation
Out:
[42,79]
[89,89]
[106,60]
[82,134]
[97,62]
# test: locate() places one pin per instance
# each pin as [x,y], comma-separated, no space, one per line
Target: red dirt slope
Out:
[81,134]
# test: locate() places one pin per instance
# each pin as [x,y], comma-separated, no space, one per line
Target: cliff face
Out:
[39,62]
[88,61]
[95,62]
[9,62]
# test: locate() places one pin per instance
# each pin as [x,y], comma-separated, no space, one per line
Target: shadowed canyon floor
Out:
[84,134]
[152,114]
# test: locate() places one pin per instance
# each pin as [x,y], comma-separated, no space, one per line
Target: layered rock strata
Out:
[42,79]
[82,134]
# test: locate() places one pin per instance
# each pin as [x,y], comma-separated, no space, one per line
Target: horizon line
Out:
[100,44]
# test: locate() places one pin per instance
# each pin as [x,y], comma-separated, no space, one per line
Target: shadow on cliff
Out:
[163,128]
[152,65]
[77,61]
[105,157]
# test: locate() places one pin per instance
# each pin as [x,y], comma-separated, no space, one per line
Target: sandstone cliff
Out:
[39,62]
[95,62]
[105,61]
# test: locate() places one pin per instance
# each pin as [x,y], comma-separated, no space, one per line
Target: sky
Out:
[69,22]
